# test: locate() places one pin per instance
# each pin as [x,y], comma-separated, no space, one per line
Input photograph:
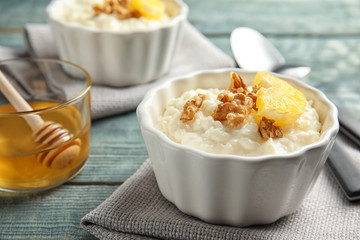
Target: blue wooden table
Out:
[324,34]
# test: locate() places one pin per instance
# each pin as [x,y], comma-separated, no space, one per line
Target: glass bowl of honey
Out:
[57,93]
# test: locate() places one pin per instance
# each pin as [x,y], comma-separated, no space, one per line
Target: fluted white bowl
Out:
[229,189]
[120,58]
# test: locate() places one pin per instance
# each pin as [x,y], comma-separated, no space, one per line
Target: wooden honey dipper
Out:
[48,134]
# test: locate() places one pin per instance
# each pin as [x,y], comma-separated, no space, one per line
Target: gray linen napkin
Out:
[8,53]
[137,210]
[195,53]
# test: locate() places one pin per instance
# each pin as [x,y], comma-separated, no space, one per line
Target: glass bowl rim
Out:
[59,105]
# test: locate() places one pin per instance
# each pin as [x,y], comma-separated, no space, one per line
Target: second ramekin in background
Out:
[120,58]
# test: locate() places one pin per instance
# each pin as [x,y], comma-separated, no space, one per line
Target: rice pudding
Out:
[209,120]
[114,15]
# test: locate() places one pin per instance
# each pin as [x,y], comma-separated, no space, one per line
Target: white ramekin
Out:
[120,58]
[229,189]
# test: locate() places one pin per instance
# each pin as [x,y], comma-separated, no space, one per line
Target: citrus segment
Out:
[151,9]
[278,100]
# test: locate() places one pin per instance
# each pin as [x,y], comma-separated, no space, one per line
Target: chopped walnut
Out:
[237,85]
[234,119]
[253,98]
[237,107]
[224,109]
[191,107]
[255,89]
[225,96]
[268,130]
[236,104]
[118,7]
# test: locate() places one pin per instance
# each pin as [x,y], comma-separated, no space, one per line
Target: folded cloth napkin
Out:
[8,53]
[137,210]
[197,53]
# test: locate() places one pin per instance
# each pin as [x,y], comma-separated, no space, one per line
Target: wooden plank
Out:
[276,17]
[112,167]
[13,40]
[54,214]
[16,13]
[117,150]
[285,17]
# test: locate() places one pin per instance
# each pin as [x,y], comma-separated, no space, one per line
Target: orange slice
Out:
[151,9]
[278,100]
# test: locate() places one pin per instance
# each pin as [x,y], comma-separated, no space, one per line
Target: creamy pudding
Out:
[105,14]
[203,129]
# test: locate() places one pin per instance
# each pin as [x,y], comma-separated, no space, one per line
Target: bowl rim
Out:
[145,124]
[68,102]
[184,9]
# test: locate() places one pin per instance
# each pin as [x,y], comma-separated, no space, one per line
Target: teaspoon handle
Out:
[293,70]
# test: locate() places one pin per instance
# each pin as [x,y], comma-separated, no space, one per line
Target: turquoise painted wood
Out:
[14,40]
[324,34]
[285,17]
[306,17]
[117,150]
[54,214]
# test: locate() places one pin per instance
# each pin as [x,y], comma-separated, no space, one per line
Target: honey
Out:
[20,167]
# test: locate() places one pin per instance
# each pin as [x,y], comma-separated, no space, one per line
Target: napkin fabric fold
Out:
[195,53]
[137,210]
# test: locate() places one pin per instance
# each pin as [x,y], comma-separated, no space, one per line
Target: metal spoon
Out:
[253,51]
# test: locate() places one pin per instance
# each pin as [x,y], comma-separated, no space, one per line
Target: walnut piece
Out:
[237,85]
[236,102]
[234,119]
[225,108]
[118,7]
[267,129]
[253,96]
[225,96]
[191,107]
